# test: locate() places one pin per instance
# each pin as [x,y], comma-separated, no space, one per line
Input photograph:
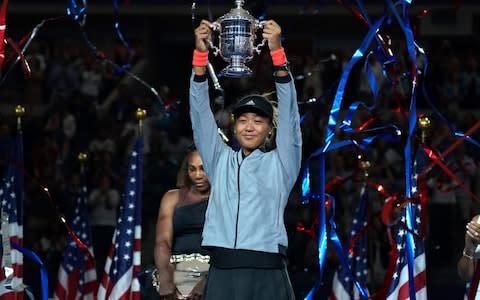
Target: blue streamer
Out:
[405,25]
[120,34]
[43,270]
[343,81]
[329,145]
[341,252]
[76,12]
[371,79]
[322,228]
[385,57]
[306,184]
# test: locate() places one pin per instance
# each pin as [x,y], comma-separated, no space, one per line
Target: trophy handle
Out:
[258,48]
[259,25]
[215,27]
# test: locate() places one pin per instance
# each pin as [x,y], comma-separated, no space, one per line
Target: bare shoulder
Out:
[169,201]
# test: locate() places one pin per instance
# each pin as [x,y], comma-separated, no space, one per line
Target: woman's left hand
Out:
[197,291]
[272,32]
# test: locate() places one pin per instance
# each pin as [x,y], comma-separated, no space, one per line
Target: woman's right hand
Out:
[472,235]
[203,34]
[172,296]
[167,287]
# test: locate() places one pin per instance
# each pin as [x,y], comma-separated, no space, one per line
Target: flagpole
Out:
[19,156]
[19,113]
[423,124]
[140,114]
[82,158]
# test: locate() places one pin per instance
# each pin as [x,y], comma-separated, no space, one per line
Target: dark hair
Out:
[183,180]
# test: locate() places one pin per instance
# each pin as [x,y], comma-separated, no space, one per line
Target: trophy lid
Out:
[237,13]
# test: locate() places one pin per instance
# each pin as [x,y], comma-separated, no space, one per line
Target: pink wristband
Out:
[200,59]
[278,57]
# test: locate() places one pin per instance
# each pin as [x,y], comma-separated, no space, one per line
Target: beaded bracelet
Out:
[464,253]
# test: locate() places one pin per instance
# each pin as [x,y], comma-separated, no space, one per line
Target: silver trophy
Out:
[237,34]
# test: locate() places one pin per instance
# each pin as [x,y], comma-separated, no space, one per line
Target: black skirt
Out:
[248,284]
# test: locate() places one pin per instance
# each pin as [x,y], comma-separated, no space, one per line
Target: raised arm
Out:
[205,130]
[289,139]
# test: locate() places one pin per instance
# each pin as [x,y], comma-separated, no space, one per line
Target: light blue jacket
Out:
[248,196]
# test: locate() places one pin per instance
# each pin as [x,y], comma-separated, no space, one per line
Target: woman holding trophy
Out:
[244,229]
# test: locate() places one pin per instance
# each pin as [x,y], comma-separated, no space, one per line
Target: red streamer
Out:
[431,154]
[3,27]
[451,148]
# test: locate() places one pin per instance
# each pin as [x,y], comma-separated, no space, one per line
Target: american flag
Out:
[399,287]
[343,287]
[77,277]
[11,202]
[122,267]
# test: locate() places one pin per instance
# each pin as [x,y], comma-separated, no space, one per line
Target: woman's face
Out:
[251,131]
[197,175]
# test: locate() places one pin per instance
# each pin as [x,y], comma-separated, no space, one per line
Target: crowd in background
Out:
[68,112]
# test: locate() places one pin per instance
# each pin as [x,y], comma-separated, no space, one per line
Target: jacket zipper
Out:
[238,204]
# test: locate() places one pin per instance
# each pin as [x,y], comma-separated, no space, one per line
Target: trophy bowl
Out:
[237,34]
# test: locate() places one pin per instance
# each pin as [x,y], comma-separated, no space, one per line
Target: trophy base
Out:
[232,71]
